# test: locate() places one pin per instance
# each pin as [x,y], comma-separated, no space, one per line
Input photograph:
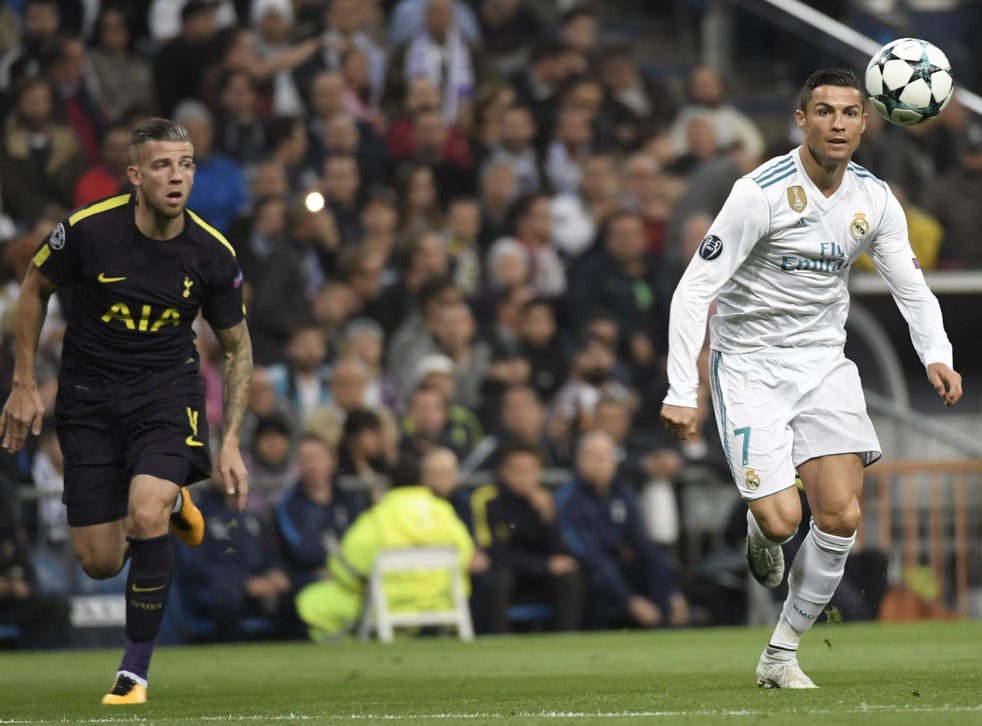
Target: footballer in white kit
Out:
[776,260]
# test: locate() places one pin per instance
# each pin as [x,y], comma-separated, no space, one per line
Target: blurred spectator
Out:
[379,221]
[439,51]
[464,428]
[364,339]
[341,185]
[121,79]
[522,421]
[255,235]
[180,64]
[497,192]
[445,152]
[110,176]
[953,200]
[577,215]
[515,523]
[647,191]
[48,473]
[165,17]
[578,29]
[264,403]
[236,574]
[463,223]
[239,130]
[413,339]
[532,216]
[427,425]
[42,22]
[420,212]
[270,462]
[516,150]
[291,277]
[42,617]
[349,383]
[272,21]
[630,581]
[409,515]
[623,280]
[343,33]
[706,95]
[541,346]
[289,146]
[509,28]
[219,192]
[313,515]
[303,379]
[66,66]
[409,17]
[570,146]
[42,155]
[540,84]
[456,337]
[636,103]
[591,375]
[239,53]
[362,449]
[494,98]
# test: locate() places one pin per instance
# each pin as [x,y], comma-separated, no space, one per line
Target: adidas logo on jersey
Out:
[800,223]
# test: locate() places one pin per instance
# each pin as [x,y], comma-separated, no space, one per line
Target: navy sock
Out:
[147,585]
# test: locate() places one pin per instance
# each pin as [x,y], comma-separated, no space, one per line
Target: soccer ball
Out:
[909,81]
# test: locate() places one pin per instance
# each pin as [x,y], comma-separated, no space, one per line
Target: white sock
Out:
[756,534]
[179,502]
[815,573]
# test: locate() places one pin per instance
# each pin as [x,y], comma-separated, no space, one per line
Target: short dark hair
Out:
[361,419]
[842,77]
[157,129]
[518,448]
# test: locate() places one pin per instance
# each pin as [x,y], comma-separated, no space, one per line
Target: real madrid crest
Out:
[752,479]
[797,199]
[859,227]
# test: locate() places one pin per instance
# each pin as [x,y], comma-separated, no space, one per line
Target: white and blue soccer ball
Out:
[909,81]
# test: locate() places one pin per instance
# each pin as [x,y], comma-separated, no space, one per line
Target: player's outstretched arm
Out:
[236,380]
[24,410]
[947,382]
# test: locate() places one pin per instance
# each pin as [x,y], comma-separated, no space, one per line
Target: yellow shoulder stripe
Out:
[104,206]
[214,232]
[42,255]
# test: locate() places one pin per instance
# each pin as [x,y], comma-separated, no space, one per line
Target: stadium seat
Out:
[376,614]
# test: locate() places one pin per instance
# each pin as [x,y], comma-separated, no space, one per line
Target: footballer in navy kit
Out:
[130,407]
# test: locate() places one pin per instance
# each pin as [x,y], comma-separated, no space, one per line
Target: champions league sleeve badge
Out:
[57,240]
[710,248]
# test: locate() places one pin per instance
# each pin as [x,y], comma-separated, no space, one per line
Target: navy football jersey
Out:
[134,299]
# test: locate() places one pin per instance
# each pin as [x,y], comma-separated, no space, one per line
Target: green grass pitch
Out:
[928,673]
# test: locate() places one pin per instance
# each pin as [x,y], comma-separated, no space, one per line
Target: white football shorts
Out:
[775,412]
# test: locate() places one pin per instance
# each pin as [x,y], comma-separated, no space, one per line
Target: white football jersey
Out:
[777,259]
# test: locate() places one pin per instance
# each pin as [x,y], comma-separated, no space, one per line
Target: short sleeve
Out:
[223,307]
[59,256]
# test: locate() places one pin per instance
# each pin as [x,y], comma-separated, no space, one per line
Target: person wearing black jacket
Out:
[515,523]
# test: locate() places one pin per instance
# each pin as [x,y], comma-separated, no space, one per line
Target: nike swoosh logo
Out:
[191,442]
[102,278]
[137,588]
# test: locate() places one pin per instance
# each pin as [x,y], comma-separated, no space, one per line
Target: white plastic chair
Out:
[376,615]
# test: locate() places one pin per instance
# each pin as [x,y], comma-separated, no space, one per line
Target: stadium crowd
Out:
[460,224]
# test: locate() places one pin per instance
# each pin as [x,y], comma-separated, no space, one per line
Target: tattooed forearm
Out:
[236,375]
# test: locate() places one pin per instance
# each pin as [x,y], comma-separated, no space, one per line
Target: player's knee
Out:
[146,522]
[98,566]
[842,521]
[779,525]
